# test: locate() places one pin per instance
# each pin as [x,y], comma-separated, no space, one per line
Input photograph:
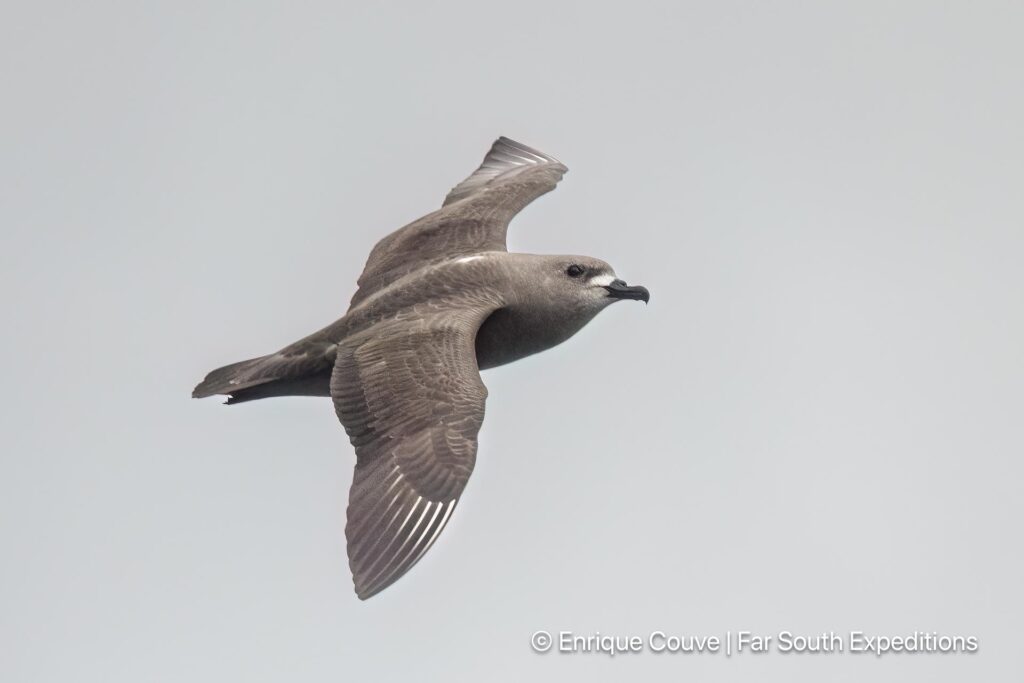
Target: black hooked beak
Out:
[618,289]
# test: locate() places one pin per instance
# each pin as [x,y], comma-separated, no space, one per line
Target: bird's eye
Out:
[574,270]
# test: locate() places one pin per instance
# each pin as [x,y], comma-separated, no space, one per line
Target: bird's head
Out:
[581,284]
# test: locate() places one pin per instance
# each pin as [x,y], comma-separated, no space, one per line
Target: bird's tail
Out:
[229,379]
[268,376]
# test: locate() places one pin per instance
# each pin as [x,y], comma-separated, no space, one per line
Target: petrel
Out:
[439,300]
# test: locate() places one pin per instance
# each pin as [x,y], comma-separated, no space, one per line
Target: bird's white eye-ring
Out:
[574,270]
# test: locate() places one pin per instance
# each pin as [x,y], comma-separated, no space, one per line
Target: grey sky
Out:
[815,425]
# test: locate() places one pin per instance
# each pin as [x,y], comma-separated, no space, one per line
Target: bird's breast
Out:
[509,334]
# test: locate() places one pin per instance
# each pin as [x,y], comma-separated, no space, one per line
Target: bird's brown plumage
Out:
[402,365]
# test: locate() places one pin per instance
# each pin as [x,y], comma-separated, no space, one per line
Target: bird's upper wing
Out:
[513,175]
[474,217]
[410,397]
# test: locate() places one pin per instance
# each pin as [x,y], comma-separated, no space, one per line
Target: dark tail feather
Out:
[310,385]
[227,380]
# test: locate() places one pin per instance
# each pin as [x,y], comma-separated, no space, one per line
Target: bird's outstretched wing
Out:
[410,397]
[519,174]
[474,217]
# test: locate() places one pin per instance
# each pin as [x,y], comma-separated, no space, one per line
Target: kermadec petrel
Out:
[438,301]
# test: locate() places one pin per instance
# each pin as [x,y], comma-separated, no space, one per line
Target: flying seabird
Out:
[439,300]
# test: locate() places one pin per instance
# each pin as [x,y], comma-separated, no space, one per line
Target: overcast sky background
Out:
[815,425]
